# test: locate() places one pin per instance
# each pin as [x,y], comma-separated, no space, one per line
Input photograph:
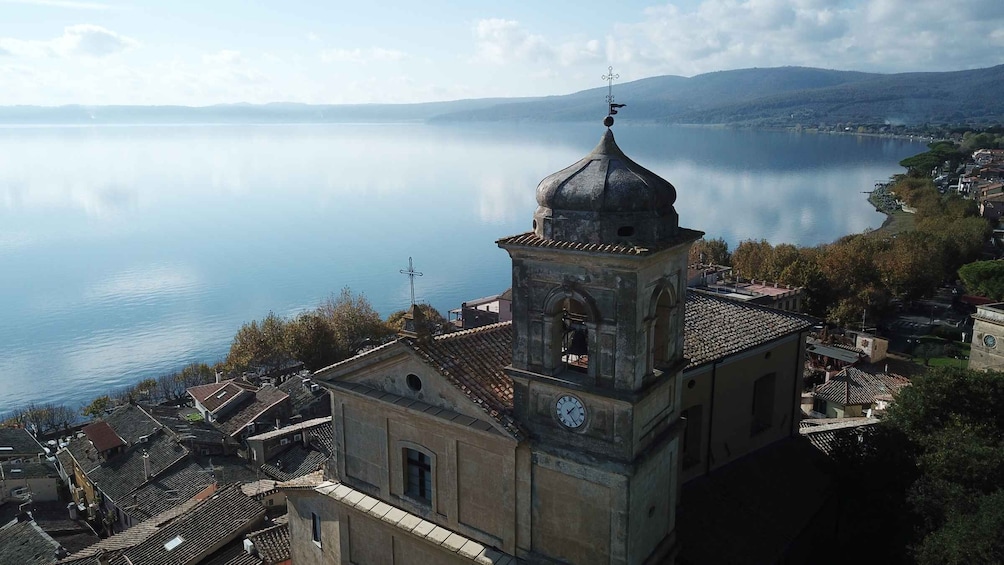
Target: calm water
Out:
[128,252]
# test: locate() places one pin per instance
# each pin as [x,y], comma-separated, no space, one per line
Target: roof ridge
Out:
[471,331]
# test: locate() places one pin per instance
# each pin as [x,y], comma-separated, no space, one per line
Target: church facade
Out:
[564,435]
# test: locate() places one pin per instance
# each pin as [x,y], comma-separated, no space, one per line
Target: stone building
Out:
[988,329]
[557,437]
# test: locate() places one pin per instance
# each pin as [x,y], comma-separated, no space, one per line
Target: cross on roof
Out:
[609,77]
[412,273]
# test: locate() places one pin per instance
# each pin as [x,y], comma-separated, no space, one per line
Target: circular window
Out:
[414,383]
[990,341]
[766,355]
[691,383]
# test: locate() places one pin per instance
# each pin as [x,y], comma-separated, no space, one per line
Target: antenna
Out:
[412,273]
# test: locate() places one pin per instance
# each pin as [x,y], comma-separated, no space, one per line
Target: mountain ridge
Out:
[773,96]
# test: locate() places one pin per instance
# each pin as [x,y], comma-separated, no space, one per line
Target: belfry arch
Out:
[662,336]
[570,322]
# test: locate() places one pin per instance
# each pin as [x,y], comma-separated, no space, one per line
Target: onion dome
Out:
[606,198]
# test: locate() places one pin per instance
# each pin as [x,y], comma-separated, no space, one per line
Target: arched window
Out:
[571,324]
[664,339]
[574,342]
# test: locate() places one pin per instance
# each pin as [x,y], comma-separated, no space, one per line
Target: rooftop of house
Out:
[303,398]
[102,436]
[272,543]
[264,400]
[833,351]
[823,432]
[214,396]
[18,442]
[25,543]
[197,430]
[28,470]
[191,535]
[853,386]
[297,461]
[233,554]
[293,428]
[119,475]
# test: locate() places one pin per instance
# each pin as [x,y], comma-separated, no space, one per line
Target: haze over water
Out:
[128,252]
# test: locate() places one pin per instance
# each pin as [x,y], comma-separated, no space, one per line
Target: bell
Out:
[578,345]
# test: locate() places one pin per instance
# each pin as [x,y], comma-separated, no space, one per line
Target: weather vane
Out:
[611,107]
[412,273]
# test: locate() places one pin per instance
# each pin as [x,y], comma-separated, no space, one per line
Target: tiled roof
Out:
[102,436]
[24,543]
[176,485]
[296,461]
[303,400]
[305,425]
[214,396]
[29,470]
[266,397]
[530,239]
[129,538]
[822,433]
[272,543]
[410,524]
[473,361]
[233,554]
[853,386]
[208,525]
[716,328]
[19,441]
[198,431]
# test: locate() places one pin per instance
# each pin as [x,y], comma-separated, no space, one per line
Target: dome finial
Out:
[611,107]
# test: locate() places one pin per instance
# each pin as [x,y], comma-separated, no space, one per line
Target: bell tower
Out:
[598,308]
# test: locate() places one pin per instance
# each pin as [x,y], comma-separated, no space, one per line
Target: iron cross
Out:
[412,273]
[609,77]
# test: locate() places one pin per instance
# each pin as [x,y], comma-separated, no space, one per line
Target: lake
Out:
[127,252]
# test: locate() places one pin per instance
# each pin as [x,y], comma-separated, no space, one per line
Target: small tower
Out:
[598,299]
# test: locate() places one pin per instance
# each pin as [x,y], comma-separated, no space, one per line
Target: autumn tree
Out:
[434,321]
[311,340]
[710,251]
[353,321]
[751,259]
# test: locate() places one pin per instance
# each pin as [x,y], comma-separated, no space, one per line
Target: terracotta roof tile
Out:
[530,239]
[102,436]
[853,386]
[272,543]
[24,543]
[717,327]
[474,361]
[266,397]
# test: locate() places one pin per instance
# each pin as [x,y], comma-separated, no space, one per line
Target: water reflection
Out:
[127,252]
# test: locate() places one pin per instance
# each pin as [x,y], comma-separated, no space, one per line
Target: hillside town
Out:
[625,400]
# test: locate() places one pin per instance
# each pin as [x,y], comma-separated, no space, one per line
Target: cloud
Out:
[871,35]
[313,37]
[372,54]
[504,42]
[61,4]
[224,57]
[77,40]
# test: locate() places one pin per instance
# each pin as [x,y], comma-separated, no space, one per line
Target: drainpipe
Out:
[799,370]
[711,417]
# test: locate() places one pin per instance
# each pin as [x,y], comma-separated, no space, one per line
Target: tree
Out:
[984,278]
[434,321]
[311,340]
[751,259]
[710,251]
[96,409]
[259,344]
[354,322]
[912,266]
[944,435]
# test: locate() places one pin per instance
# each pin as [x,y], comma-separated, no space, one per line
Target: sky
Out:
[196,53]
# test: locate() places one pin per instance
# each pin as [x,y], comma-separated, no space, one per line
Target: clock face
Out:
[570,411]
[989,341]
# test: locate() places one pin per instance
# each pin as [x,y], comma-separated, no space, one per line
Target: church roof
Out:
[717,327]
[473,361]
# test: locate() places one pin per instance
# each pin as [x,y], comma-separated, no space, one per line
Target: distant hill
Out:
[778,96]
[757,97]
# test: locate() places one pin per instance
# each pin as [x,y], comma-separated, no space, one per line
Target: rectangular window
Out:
[315,528]
[819,405]
[692,437]
[763,404]
[418,475]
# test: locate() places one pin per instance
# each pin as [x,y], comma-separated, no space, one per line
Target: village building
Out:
[292,451]
[17,444]
[854,393]
[23,542]
[29,479]
[483,311]
[575,408]
[239,408]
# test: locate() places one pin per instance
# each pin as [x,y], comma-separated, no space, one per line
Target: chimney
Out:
[414,325]
[146,466]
